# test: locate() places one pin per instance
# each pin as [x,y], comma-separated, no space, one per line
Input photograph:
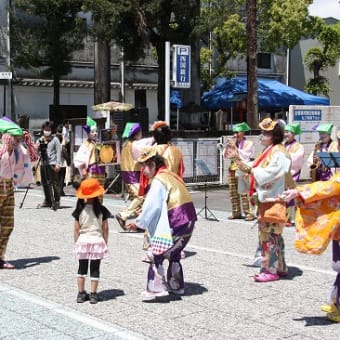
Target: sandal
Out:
[6,265]
[266,277]
[334,316]
[329,308]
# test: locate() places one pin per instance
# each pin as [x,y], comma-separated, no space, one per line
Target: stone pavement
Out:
[221,300]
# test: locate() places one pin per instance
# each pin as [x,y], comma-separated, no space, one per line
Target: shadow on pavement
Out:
[315,321]
[110,294]
[31,262]
[191,289]
[189,253]
[292,273]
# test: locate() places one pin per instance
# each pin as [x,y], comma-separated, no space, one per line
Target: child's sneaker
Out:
[94,298]
[82,297]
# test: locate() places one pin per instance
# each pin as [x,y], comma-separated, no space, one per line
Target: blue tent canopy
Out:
[271,94]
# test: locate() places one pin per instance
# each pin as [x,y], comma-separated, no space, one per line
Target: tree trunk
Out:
[252,100]
[102,72]
[161,79]
[56,90]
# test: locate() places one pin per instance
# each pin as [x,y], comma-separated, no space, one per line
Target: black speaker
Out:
[137,115]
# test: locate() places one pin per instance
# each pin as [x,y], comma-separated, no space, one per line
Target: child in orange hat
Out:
[91,233]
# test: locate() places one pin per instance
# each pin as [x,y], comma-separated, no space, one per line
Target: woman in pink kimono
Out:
[15,169]
[269,174]
[296,152]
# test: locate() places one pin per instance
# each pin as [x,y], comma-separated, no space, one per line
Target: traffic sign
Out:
[5,75]
[181,66]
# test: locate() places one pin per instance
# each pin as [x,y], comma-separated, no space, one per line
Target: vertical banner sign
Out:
[181,66]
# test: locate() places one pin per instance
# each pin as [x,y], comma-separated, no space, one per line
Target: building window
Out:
[264,60]
[140,98]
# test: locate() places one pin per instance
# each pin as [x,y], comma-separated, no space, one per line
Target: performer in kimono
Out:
[130,170]
[87,158]
[169,216]
[172,154]
[318,171]
[15,169]
[239,181]
[296,152]
[317,223]
[269,176]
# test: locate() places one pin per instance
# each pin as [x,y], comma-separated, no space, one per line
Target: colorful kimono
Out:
[130,169]
[169,216]
[318,222]
[131,174]
[271,174]
[296,152]
[173,158]
[14,169]
[87,157]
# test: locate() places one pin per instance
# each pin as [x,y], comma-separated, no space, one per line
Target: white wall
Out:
[35,101]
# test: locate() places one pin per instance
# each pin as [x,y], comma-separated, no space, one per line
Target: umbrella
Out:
[112,106]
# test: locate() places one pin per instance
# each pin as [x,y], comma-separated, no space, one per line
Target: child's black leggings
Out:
[94,268]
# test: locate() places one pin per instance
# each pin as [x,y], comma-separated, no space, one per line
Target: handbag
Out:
[272,212]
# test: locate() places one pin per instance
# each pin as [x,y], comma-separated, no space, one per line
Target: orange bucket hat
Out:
[267,124]
[90,188]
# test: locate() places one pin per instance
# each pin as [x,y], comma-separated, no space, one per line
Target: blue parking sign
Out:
[181,66]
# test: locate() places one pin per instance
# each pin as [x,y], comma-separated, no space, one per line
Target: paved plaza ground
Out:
[221,301]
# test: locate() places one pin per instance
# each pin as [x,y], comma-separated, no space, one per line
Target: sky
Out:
[325,8]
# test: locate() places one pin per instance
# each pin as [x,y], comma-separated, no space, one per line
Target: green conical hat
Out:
[293,128]
[91,123]
[9,127]
[325,128]
[241,127]
[131,129]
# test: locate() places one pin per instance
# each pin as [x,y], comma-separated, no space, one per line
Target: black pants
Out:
[94,268]
[61,179]
[49,181]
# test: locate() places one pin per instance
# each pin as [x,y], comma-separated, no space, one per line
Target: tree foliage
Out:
[44,34]
[320,58]
[279,23]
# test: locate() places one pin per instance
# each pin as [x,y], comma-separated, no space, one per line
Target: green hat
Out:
[90,125]
[131,129]
[241,127]
[7,126]
[325,128]
[293,128]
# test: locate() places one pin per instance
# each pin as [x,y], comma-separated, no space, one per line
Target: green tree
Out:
[320,58]
[174,21]
[44,34]
[107,16]
[245,27]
